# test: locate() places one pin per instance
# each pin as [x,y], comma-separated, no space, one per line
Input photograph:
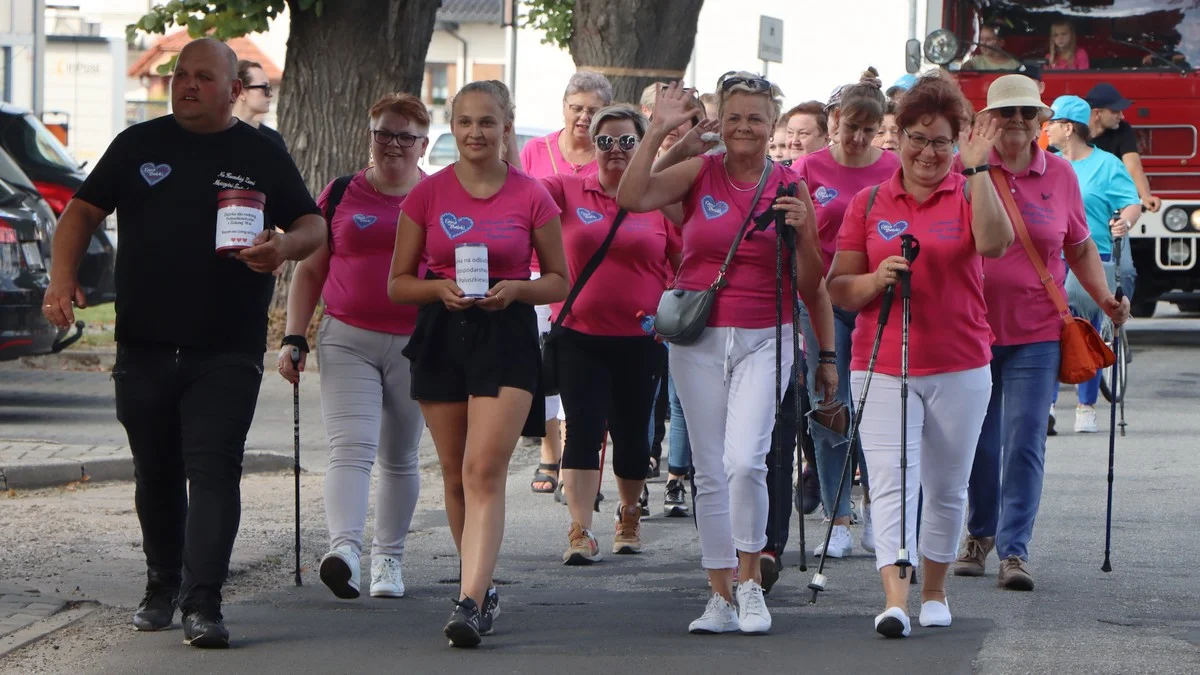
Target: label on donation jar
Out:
[239,219]
[471,269]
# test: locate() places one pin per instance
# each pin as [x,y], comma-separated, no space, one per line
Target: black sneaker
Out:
[643,501]
[675,502]
[201,629]
[810,487]
[157,609]
[463,626]
[491,610]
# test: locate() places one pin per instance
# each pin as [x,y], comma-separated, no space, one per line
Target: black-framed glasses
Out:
[605,143]
[1028,112]
[266,88]
[940,145]
[402,139]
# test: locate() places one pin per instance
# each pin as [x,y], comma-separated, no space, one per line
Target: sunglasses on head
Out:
[605,143]
[1028,112]
[755,84]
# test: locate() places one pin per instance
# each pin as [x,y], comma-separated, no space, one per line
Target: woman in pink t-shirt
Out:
[609,368]
[1006,481]
[475,360]
[364,383]
[957,221]
[724,378]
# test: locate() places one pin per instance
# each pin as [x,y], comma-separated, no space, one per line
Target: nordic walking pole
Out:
[777,436]
[909,248]
[1112,424]
[1118,334]
[296,464]
[796,384]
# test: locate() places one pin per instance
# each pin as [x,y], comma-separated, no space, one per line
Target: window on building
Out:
[439,83]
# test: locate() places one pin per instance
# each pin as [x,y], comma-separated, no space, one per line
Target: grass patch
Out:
[100,322]
[95,317]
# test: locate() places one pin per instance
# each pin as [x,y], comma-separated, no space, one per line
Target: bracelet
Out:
[295,341]
[827,362]
[827,354]
[976,169]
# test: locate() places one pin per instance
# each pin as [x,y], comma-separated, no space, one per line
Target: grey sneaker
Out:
[1014,576]
[491,610]
[972,562]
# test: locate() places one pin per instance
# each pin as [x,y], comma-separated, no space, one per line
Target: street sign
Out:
[770,39]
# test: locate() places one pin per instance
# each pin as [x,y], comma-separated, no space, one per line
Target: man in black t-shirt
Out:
[198,196]
[1111,133]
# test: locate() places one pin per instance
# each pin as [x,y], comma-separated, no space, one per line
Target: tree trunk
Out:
[337,65]
[625,38]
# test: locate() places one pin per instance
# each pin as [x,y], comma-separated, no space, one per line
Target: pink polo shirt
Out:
[1020,310]
[542,158]
[833,185]
[949,329]
[634,272]
[504,222]
[713,213]
[364,236]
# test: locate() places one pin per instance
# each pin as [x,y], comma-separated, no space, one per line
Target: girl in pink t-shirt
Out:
[1065,54]
[364,388]
[956,220]
[609,368]
[476,361]
[724,379]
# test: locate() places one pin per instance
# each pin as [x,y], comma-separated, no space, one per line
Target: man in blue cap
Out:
[1111,133]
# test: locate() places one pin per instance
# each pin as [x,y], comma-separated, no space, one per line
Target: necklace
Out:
[575,168]
[725,163]
[372,173]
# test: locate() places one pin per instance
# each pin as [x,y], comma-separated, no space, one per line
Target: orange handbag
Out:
[1083,350]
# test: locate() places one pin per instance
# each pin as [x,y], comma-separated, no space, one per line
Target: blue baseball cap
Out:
[1106,96]
[905,82]
[1071,108]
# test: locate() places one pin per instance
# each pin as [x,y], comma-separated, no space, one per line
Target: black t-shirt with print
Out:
[173,288]
[1119,141]
[273,135]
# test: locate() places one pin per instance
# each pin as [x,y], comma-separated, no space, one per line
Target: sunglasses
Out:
[265,87]
[754,84]
[605,143]
[1028,112]
[385,137]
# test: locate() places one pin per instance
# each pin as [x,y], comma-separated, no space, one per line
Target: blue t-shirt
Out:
[1106,187]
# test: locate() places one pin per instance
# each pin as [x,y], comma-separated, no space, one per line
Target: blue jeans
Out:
[829,446]
[679,451]
[1010,458]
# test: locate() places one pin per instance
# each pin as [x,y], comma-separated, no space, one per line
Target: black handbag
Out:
[550,341]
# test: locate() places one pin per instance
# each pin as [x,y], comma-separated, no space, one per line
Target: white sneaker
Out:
[1085,420]
[893,623]
[868,534]
[753,617]
[934,613]
[719,617]
[386,581]
[340,572]
[839,545]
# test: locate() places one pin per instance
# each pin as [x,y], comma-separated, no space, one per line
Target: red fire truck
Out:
[1150,51]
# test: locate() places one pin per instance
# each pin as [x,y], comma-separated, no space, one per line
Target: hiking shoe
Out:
[463,627]
[810,487]
[386,581]
[719,617]
[1050,423]
[340,572]
[675,502]
[839,545]
[753,617]
[868,533]
[583,548]
[1085,420]
[201,629]
[157,609]
[628,538]
[934,613]
[644,501]
[769,567]
[1013,575]
[972,562]
[491,610]
[893,623]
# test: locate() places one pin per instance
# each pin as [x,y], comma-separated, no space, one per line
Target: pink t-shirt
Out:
[1079,62]
[504,222]
[713,214]
[1020,310]
[949,329]
[634,272]
[364,236]
[542,158]
[833,186]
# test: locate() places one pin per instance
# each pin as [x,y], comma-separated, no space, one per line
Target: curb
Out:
[54,472]
[72,359]
[72,612]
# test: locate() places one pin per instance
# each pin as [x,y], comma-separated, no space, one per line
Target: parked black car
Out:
[46,167]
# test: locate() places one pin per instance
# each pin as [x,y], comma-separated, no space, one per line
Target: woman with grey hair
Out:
[609,367]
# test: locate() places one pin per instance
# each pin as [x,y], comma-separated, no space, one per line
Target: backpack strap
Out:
[871,200]
[337,190]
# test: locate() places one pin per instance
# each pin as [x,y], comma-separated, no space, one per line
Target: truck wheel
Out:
[1143,309]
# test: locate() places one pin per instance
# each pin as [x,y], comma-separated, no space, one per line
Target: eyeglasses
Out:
[754,84]
[1028,112]
[266,87]
[940,145]
[402,139]
[604,142]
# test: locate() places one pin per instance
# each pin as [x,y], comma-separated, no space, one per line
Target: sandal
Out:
[540,476]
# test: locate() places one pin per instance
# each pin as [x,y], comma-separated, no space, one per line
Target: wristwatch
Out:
[976,169]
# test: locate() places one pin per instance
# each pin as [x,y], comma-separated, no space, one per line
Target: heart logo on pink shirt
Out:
[890,231]
[824,195]
[713,208]
[588,216]
[153,173]
[363,221]
[455,227]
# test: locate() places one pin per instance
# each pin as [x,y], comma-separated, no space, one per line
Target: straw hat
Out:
[1014,91]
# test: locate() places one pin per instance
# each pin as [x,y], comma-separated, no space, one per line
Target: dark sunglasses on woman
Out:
[1028,112]
[627,142]
[755,84]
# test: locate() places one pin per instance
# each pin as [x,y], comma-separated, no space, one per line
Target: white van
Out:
[443,151]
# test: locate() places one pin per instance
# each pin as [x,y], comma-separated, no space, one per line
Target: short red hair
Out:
[931,96]
[405,105]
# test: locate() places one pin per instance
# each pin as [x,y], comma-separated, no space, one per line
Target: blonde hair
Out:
[619,111]
[774,95]
[1069,50]
[494,88]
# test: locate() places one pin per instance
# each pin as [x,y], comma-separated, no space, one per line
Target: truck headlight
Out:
[941,47]
[1176,219]
[1179,252]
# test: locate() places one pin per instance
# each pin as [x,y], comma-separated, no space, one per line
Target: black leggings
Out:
[608,385]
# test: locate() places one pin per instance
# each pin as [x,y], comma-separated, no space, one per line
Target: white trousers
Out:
[726,385]
[945,414]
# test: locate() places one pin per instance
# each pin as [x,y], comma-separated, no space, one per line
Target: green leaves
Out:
[554,17]
[223,19]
